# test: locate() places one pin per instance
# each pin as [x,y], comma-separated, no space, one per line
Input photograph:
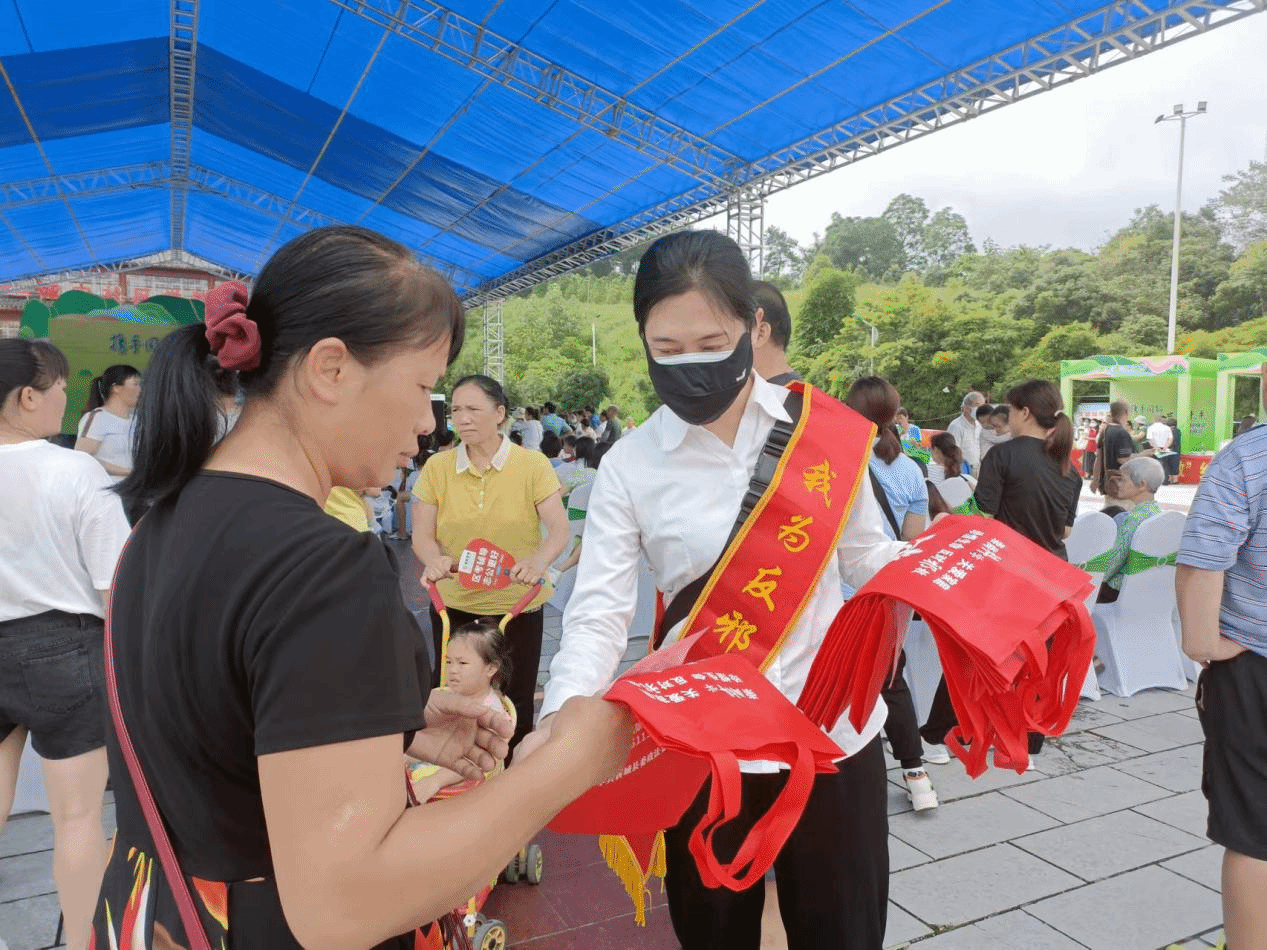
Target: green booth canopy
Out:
[1231,365]
[1179,386]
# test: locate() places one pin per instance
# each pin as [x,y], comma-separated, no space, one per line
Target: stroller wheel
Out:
[511,874]
[534,864]
[490,936]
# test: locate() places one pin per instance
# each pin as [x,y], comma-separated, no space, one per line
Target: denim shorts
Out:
[52,680]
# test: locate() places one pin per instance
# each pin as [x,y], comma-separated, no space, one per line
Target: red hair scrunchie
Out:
[234,337]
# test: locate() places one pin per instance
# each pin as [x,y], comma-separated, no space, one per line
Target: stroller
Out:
[466,928]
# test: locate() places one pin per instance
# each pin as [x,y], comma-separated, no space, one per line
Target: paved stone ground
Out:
[1101,848]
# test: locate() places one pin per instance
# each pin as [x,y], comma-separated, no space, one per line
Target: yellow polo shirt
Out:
[499,505]
[348,505]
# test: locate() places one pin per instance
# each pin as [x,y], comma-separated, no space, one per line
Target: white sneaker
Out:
[919,789]
[936,754]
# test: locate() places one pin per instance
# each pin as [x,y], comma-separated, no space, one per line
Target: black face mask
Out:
[699,392]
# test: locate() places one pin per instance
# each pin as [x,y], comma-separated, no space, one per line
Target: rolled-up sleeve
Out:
[1219,522]
[604,600]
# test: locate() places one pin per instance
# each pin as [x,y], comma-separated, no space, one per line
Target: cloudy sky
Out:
[1067,167]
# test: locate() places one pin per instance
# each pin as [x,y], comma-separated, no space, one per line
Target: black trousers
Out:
[524,634]
[832,874]
[902,726]
[942,718]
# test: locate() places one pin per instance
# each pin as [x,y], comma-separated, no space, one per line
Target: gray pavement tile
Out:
[26,834]
[1089,715]
[1187,812]
[1204,866]
[899,804]
[29,924]
[1141,909]
[903,856]
[1082,750]
[953,783]
[1149,702]
[1086,794]
[26,875]
[1156,733]
[1010,931]
[1178,770]
[971,886]
[902,928]
[1100,847]
[967,824]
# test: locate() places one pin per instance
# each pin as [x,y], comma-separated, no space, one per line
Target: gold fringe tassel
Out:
[620,858]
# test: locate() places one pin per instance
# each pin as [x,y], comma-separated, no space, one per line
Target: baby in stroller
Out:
[477,665]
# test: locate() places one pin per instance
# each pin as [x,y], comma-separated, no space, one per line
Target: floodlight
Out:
[1201,106]
[1179,109]
[1160,118]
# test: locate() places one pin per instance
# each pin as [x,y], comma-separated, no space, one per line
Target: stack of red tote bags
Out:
[1011,627]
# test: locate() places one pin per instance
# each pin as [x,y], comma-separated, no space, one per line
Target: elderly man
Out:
[967,430]
[1221,584]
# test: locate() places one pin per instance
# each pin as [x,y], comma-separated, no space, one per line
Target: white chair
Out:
[1092,537]
[30,794]
[1135,635]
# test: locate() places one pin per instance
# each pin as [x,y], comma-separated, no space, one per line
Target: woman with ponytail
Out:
[1030,483]
[105,429]
[268,672]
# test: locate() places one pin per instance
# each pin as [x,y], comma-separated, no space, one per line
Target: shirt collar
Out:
[499,457]
[765,397]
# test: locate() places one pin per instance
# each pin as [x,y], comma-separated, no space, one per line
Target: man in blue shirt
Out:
[552,422]
[1221,585]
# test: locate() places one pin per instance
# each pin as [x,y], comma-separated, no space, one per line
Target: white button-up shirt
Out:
[968,438]
[671,491]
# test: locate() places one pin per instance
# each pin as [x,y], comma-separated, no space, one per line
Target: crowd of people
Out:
[245,669]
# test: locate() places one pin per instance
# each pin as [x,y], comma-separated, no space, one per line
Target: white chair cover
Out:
[1135,635]
[1093,534]
[30,794]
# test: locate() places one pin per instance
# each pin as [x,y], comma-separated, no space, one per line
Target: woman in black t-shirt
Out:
[268,672]
[1030,483]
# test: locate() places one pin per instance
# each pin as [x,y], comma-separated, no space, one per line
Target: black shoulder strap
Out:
[92,416]
[767,463]
[883,499]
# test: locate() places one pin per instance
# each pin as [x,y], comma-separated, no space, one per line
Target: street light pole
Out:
[875,338]
[1177,114]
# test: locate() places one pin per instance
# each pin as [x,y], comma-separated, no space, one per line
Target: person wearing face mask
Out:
[671,490]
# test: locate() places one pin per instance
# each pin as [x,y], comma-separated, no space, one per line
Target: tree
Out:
[586,386]
[1071,341]
[783,257]
[1242,206]
[829,302]
[945,239]
[908,216]
[868,244]
[1243,296]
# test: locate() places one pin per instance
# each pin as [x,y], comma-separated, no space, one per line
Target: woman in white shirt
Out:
[532,430]
[105,431]
[63,531]
[670,490]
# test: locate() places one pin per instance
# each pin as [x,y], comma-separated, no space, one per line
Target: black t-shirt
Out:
[1116,443]
[246,621]
[1021,485]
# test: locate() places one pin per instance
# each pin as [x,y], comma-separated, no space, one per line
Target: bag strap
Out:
[92,417]
[883,499]
[195,932]
[767,464]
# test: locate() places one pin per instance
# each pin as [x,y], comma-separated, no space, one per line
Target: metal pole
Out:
[594,344]
[875,338]
[1174,251]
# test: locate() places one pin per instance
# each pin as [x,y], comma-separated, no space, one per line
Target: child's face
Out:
[466,671]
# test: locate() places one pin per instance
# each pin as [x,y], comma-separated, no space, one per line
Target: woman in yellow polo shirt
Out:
[493,489]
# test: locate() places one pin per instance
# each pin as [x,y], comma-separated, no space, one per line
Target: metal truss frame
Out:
[745,223]
[182,67]
[180,259]
[495,339]
[104,181]
[1116,33]
[509,64]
